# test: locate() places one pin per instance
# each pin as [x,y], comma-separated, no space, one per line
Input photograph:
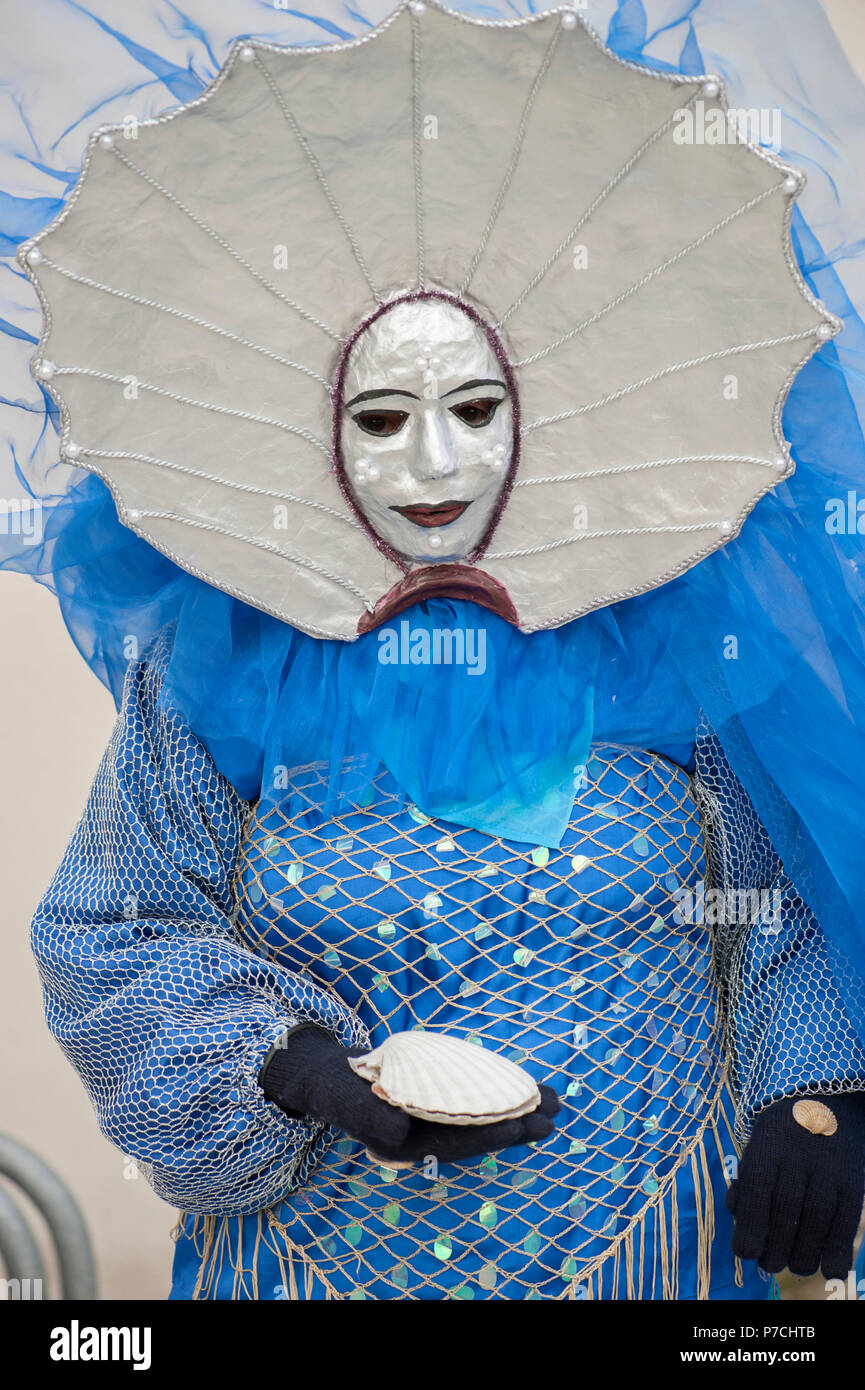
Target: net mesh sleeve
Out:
[787,1030]
[164,1014]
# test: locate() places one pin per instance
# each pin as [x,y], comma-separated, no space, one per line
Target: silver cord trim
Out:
[604,535]
[514,159]
[605,192]
[665,372]
[313,161]
[298,430]
[417,149]
[650,276]
[226,246]
[182,314]
[223,482]
[615,469]
[269,546]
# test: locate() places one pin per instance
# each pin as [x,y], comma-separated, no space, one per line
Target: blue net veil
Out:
[767,636]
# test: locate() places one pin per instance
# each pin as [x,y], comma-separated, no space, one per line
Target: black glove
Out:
[798,1197]
[308,1074]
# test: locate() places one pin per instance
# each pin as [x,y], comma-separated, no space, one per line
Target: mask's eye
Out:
[380,422]
[477,413]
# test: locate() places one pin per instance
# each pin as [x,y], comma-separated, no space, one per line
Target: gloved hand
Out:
[309,1075]
[798,1197]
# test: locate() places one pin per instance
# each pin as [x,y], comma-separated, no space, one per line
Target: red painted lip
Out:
[439,514]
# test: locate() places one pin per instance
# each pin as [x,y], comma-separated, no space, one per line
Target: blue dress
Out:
[568,962]
[185,931]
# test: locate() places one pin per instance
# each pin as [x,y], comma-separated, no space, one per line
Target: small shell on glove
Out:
[814,1116]
[436,1077]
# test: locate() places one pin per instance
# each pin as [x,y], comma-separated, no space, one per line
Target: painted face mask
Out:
[426,434]
[376,358]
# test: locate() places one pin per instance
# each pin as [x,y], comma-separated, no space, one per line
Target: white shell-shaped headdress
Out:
[625,245]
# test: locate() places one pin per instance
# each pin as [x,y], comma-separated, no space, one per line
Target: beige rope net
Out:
[570,961]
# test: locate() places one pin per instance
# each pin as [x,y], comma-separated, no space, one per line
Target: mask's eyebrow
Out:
[375,395]
[471,385]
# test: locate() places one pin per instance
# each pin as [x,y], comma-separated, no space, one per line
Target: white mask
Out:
[426,429]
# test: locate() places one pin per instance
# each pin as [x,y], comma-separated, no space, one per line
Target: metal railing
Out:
[20,1255]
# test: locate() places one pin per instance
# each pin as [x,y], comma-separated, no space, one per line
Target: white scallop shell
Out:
[436,1077]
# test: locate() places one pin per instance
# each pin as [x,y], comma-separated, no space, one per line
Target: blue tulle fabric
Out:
[767,636]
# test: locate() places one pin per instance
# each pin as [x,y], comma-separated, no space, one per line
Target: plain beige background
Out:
[55,719]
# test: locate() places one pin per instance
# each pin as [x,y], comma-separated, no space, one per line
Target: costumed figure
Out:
[474,871]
